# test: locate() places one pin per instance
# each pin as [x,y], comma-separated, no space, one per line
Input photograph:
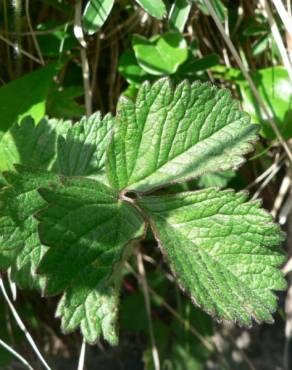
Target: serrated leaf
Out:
[20,247]
[92,306]
[83,225]
[96,13]
[30,144]
[223,250]
[82,152]
[171,135]
[87,229]
[156,8]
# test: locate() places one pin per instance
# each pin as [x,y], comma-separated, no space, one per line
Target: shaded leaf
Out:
[30,144]
[82,151]
[88,230]
[19,243]
[25,97]
[62,104]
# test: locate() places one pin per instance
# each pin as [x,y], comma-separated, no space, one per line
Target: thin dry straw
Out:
[284,15]
[249,79]
[81,361]
[22,326]
[277,37]
[15,354]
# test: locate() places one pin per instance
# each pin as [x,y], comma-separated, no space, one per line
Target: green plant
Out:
[76,203]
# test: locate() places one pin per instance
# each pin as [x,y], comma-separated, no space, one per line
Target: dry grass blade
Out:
[249,79]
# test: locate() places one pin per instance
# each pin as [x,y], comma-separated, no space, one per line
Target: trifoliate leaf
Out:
[84,224]
[20,247]
[82,152]
[87,228]
[171,135]
[223,250]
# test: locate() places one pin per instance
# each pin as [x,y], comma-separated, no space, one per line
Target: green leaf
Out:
[219,179]
[95,14]
[171,135]
[88,229]
[31,145]
[261,45]
[84,225]
[91,305]
[179,13]
[156,8]
[162,54]
[275,89]
[57,34]
[61,5]
[82,152]
[218,6]
[25,97]
[20,247]
[61,102]
[194,65]
[223,250]
[130,70]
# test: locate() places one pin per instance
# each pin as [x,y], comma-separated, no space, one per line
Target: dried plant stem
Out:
[78,32]
[81,361]
[249,79]
[22,326]
[284,15]
[144,285]
[21,51]
[15,354]
[35,41]
[17,10]
[207,343]
[277,37]
[267,181]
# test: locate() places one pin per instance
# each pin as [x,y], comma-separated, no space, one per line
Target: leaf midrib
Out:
[241,283]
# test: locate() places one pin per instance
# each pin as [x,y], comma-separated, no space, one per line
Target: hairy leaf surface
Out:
[223,250]
[87,229]
[92,305]
[82,152]
[171,135]
[20,247]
